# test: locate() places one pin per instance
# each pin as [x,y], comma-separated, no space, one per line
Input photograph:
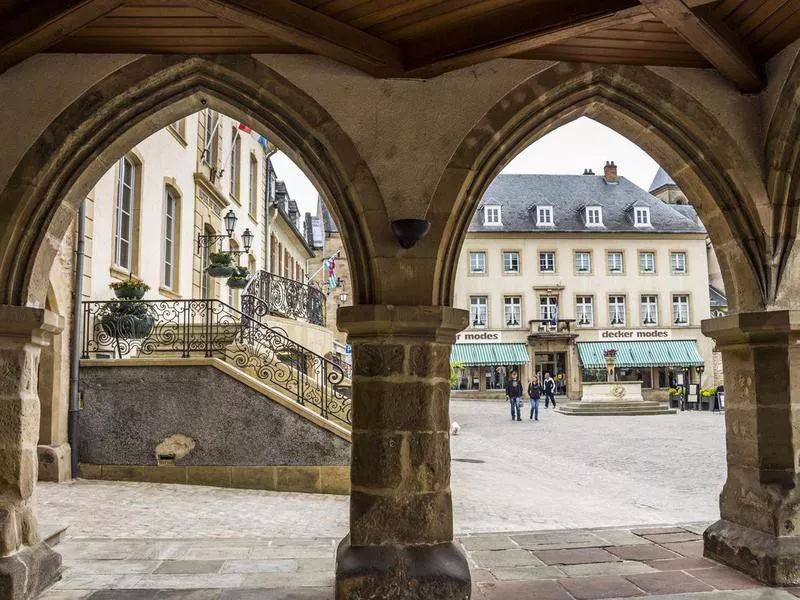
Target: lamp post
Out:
[206,241]
[222,267]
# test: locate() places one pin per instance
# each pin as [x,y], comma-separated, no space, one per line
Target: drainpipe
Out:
[75,354]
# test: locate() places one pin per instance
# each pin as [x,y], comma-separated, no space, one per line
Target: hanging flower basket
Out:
[221,264]
[239,279]
[127,319]
[129,289]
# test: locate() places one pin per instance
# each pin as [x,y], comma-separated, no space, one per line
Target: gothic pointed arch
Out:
[683,136]
[144,96]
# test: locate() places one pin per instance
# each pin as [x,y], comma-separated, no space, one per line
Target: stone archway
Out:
[79,146]
[651,111]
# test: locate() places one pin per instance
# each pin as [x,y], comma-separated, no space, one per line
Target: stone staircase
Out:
[631,408]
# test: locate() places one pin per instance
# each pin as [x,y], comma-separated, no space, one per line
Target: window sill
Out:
[178,136]
[235,200]
[168,293]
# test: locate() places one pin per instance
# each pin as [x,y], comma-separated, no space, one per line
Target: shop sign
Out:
[635,334]
[479,337]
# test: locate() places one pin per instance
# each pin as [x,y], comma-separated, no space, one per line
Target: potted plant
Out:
[129,289]
[128,318]
[221,264]
[239,279]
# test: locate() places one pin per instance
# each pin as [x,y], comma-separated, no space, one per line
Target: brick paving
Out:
[504,567]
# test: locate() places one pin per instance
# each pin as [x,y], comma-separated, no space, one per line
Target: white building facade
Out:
[557,268]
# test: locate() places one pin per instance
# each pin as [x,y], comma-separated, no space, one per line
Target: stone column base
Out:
[54,462]
[27,573]
[438,572]
[773,560]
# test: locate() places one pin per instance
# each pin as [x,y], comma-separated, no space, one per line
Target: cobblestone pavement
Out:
[557,565]
[560,472]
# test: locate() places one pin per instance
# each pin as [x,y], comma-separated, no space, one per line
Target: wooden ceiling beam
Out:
[45,23]
[711,38]
[291,23]
[523,30]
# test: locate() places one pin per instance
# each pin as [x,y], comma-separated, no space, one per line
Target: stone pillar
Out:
[401,519]
[759,532]
[27,565]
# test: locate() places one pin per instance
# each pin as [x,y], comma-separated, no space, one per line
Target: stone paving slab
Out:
[502,569]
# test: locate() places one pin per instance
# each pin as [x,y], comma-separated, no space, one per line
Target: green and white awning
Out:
[657,353]
[487,355]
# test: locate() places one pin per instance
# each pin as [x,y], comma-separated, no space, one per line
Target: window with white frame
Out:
[512,311]
[641,216]
[647,262]
[170,229]
[477,311]
[678,260]
[616,311]
[236,150]
[253,187]
[123,221]
[680,309]
[584,311]
[547,262]
[594,216]
[491,215]
[548,308]
[477,262]
[210,148]
[510,262]
[583,262]
[615,262]
[649,309]
[544,215]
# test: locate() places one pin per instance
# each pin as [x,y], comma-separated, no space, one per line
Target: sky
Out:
[581,144]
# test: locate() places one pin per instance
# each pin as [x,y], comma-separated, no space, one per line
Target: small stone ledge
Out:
[309,479]
[54,462]
[27,573]
[773,560]
[402,572]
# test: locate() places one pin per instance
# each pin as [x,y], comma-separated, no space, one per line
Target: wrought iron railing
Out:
[551,325]
[270,294]
[211,328]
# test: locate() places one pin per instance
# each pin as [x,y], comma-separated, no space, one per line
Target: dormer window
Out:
[641,216]
[594,216]
[491,215]
[544,216]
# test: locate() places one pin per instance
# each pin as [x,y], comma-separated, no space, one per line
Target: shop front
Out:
[658,364]
[482,367]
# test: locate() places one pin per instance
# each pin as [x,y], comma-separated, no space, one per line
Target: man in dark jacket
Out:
[549,391]
[514,395]
[534,392]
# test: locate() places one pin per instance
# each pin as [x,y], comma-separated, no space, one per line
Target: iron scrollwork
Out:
[271,294]
[211,328]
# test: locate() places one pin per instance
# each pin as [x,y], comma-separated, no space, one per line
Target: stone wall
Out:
[197,413]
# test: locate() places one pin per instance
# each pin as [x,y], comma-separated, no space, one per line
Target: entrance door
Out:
[554,363]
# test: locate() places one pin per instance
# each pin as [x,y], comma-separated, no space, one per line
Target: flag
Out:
[245,128]
[330,268]
[263,142]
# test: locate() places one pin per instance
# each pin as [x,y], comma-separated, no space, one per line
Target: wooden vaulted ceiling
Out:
[417,38]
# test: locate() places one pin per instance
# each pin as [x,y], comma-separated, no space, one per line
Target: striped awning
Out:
[657,353]
[486,355]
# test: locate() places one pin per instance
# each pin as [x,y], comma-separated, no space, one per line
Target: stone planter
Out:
[128,320]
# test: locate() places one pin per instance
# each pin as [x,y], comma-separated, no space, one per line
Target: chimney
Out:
[610,172]
[588,172]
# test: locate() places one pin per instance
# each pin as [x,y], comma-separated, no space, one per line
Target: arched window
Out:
[125,214]
[205,280]
[170,250]
[236,152]
[253,188]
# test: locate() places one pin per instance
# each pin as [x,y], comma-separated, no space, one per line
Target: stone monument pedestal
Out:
[614,398]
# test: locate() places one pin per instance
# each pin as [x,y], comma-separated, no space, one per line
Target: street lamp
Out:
[230,222]
[206,241]
[247,240]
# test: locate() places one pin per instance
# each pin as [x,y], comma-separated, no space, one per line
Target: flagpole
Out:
[324,260]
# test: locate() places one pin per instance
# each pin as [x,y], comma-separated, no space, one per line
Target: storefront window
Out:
[636,374]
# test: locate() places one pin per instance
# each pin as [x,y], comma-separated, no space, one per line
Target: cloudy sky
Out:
[582,144]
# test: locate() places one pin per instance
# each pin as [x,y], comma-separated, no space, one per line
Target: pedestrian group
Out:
[535,392]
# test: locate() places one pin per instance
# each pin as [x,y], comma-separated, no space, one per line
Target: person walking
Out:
[534,392]
[549,391]
[514,395]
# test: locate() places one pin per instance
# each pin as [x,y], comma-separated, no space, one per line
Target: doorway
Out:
[554,363]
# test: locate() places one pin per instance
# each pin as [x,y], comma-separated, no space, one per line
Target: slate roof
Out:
[662,179]
[568,195]
[718,299]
